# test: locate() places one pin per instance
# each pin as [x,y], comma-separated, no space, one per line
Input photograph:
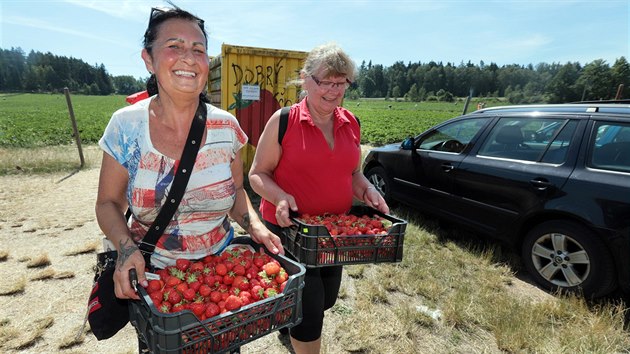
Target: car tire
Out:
[565,256]
[378,177]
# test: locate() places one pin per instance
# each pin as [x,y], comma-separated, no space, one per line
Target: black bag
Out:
[106,313]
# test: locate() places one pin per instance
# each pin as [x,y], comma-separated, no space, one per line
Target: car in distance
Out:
[551,180]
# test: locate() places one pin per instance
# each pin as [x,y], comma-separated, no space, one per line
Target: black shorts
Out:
[321,288]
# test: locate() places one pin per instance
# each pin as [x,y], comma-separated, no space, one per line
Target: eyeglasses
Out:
[330,84]
[158,11]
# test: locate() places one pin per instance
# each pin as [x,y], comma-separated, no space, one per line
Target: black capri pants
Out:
[321,288]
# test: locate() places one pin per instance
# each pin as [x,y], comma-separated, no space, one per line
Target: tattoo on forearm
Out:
[246,221]
[127,248]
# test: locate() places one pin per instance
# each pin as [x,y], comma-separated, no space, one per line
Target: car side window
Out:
[529,139]
[610,147]
[452,137]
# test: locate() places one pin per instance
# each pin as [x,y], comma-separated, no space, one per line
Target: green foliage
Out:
[384,122]
[32,120]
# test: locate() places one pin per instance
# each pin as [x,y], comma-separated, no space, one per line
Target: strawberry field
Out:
[32,120]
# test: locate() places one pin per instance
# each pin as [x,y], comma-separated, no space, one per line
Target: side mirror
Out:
[407,144]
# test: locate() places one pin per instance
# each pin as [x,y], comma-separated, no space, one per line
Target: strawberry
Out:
[233,303]
[270,292]
[196,267]
[189,294]
[205,290]
[271,268]
[173,296]
[154,285]
[182,264]
[215,297]
[212,310]
[198,308]
[220,269]
[165,307]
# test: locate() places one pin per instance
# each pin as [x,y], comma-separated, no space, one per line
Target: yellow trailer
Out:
[252,83]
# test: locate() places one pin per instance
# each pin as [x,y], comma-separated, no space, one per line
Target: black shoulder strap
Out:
[182,175]
[284,121]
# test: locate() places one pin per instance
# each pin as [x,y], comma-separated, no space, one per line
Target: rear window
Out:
[610,147]
[530,139]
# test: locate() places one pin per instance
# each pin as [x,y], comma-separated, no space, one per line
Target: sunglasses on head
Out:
[156,12]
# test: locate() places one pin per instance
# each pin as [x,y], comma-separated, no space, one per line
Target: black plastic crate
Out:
[313,246]
[183,332]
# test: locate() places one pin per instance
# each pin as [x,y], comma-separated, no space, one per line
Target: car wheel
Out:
[565,256]
[378,177]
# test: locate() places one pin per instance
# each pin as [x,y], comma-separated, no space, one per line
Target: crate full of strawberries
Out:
[364,235]
[219,303]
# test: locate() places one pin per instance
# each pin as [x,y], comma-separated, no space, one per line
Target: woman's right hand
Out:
[128,258]
[283,209]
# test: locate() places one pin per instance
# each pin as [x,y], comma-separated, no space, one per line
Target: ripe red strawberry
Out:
[241,282]
[189,294]
[212,310]
[196,267]
[239,269]
[182,264]
[172,281]
[181,287]
[157,297]
[173,296]
[281,277]
[215,297]
[271,268]
[233,303]
[205,290]
[154,285]
[198,308]
[257,292]
[220,269]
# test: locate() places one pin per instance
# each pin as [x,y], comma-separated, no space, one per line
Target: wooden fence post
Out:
[74,125]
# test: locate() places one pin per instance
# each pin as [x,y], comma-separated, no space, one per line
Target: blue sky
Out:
[504,32]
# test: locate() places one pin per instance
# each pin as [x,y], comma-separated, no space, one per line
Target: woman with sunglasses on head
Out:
[315,169]
[142,147]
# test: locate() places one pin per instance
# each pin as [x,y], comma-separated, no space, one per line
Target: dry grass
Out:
[13,286]
[449,297]
[39,261]
[47,159]
[87,248]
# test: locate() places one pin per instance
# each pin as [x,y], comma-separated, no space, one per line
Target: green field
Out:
[36,120]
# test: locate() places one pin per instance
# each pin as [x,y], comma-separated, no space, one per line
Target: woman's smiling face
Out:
[179,57]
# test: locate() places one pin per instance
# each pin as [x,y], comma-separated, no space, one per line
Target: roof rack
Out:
[624,101]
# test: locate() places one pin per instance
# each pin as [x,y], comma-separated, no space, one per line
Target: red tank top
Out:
[320,179]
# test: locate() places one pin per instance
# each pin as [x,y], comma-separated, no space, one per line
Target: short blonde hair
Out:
[330,60]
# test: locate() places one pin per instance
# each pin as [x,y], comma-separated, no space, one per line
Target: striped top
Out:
[200,225]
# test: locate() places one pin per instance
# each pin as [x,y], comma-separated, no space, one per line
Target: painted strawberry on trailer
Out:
[252,115]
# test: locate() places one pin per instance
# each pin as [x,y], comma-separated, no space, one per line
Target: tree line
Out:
[46,72]
[552,83]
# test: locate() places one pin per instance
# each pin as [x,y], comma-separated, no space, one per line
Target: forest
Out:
[431,81]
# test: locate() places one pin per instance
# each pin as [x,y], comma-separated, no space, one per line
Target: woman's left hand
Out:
[261,234]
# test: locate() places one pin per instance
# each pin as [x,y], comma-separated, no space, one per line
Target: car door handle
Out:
[540,184]
[447,167]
